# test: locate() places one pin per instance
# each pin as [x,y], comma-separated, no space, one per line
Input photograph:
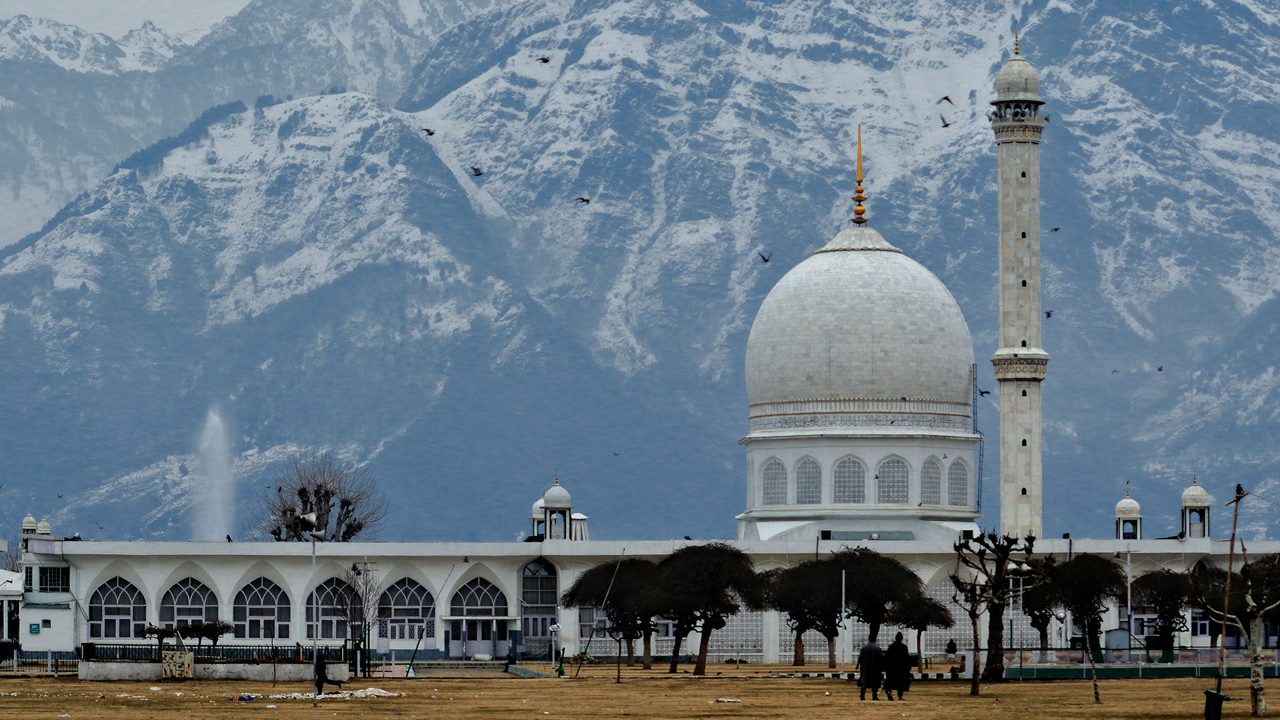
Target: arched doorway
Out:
[478,620]
[538,595]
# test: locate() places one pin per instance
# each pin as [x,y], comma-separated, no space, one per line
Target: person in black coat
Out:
[897,668]
[321,677]
[870,670]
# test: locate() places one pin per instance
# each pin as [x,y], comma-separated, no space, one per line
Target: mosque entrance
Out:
[478,625]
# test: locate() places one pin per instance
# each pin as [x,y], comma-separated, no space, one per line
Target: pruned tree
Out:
[701,586]
[972,595]
[1040,601]
[317,497]
[809,594]
[1086,584]
[919,613]
[873,584]
[624,590]
[993,560]
[211,630]
[1169,594]
[1249,608]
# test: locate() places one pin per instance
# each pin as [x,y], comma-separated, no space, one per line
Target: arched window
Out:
[117,610]
[931,482]
[407,610]
[958,484]
[893,481]
[775,483]
[538,601]
[850,484]
[261,611]
[335,605]
[808,482]
[189,601]
[479,598]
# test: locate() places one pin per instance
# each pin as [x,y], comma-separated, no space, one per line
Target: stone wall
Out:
[259,672]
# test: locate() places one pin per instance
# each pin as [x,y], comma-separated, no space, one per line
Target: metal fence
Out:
[150,652]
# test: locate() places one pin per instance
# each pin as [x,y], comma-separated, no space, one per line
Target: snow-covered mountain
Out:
[327,274]
[37,40]
[71,109]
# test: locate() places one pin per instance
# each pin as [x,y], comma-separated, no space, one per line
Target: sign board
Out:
[384,645]
[177,664]
[34,628]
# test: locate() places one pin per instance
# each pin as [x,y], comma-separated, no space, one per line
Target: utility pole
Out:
[1226,595]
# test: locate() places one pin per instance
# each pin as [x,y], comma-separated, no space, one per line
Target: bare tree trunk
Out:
[831,653]
[1257,691]
[974,675]
[994,671]
[648,649]
[1093,666]
[631,652]
[675,653]
[873,631]
[700,667]
[797,655]
[919,650]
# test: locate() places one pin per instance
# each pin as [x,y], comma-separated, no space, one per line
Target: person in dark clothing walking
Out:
[870,670]
[897,668]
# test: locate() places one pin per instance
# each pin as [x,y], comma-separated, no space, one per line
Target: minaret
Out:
[1019,362]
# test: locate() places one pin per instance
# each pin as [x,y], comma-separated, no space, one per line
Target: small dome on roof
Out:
[1128,507]
[536,512]
[1196,496]
[557,498]
[43,527]
[29,523]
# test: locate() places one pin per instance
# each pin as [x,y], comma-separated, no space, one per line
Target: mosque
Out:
[860,380]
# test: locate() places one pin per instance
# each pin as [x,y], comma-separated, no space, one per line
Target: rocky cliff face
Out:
[329,275]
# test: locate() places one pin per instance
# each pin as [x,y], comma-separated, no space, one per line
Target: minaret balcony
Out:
[1020,363]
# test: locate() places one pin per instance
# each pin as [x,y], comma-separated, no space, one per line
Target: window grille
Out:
[117,610]
[931,482]
[957,484]
[893,481]
[333,607]
[850,482]
[189,601]
[775,483]
[479,598]
[407,610]
[808,482]
[261,611]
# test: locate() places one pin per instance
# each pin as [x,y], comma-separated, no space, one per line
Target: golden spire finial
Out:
[1016,50]
[858,194]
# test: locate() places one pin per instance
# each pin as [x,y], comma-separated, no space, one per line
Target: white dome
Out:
[1128,508]
[536,512]
[859,328]
[29,523]
[43,527]
[557,498]
[1196,496]
[1017,80]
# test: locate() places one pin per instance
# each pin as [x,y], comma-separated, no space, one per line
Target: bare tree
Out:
[11,558]
[318,497]
[361,606]
[1254,600]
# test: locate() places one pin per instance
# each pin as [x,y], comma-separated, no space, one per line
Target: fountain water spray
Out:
[214,492]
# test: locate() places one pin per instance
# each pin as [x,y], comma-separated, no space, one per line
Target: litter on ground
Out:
[340,695]
[727,700]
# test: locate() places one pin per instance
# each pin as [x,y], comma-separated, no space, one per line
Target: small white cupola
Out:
[1128,518]
[557,512]
[29,524]
[1195,511]
[43,527]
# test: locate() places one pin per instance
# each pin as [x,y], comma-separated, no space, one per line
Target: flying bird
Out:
[1054,229]
[477,172]
[616,454]
[1048,314]
[946,98]
[1113,372]
[228,538]
[983,393]
[1159,369]
[582,199]
[544,59]
[429,131]
[945,124]
[764,257]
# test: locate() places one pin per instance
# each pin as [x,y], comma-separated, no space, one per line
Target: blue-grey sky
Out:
[190,18]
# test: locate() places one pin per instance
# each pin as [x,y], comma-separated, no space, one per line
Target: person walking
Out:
[870,670]
[897,668]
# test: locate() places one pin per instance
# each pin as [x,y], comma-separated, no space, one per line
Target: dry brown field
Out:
[758,692]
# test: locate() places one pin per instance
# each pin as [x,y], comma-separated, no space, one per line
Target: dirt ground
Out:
[749,692]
